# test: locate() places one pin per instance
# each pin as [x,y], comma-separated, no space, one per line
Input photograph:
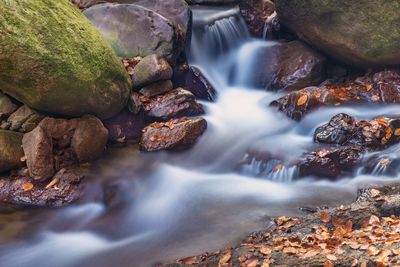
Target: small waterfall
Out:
[217,34]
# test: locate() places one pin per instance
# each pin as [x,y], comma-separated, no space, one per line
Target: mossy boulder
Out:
[10,150]
[54,60]
[365,33]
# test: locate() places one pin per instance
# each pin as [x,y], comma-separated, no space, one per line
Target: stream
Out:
[143,208]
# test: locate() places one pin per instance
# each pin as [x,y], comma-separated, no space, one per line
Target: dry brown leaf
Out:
[189,260]
[27,186]
[281,220]
[225,258]
[302,100]
[373,220]
[331,257]
[368,87]
[354,262]
[265,250]
[372,251]
[310,254]
[328,263]
[363,264]
[252,263]
[290,250]
[375,98]
[375,192]
[397,132]
[325,217]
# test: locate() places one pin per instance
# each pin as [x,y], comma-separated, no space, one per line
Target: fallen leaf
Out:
[225,258]
[328,263]
[310,254]
[331,257]
[53,183]
[189,260]
[397,132]
[372,251]
[354,262]
[302,100]
[265,250]
[375,98]
[373,220]
[27,186]
[325,217]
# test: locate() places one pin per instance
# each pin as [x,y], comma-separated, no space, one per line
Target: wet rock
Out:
[192,79]
[299,66]
[256,13]
[341,30]
[134,30]
[24,119]
[151,69]
[175,134]
[10,150]
[380,87]
[176,103]
[135,105]
[6,106]
[125,127]
[331,162]
[66,189]
[89,139]
[80,76]
[38,149]
[157,88]
[344,129]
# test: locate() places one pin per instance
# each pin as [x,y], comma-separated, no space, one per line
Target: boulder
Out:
[151,69]
[10,150]
[38,149]
[176,103]
[6,106]
[175,134]
[193,80]
[89,139]
[157,88]
[134,30]
[256,13]
[361,33]
[53,60]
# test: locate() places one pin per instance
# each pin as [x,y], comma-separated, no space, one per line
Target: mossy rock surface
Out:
[365,33]
[10,150]
[54,60]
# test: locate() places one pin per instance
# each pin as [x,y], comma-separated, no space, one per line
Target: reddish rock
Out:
[38,149]
[176,103]
[10,150]
[194,81]
[256,13]
[381,87]
[175,134]
[157,88]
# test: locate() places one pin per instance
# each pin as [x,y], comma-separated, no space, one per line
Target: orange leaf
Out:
[328,263]
[302,100]
[27,186]
[397,132]
[325,217]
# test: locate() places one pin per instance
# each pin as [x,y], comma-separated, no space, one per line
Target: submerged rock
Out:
[10,150]
[23,191]
[134,30]
[151,69]
[175,134]
[176,103]
[53,60]
[363,33]
[193,80]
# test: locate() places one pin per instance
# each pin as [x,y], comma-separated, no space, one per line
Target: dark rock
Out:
[135,105]
[157,88]
[134,30]
[66,189]
[344,129]
[124,127]
[362,33]
[381,87]
[175,134]
[191,79]
[176,103]
[10,150]
[151,69]
[299,66]
[256,14]
[6,106]
[331,162]
[24,119]
[38,149]
[89,139]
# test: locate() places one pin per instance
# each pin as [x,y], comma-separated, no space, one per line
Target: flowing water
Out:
[140,209]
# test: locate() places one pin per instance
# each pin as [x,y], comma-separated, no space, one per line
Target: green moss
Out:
[53,59]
